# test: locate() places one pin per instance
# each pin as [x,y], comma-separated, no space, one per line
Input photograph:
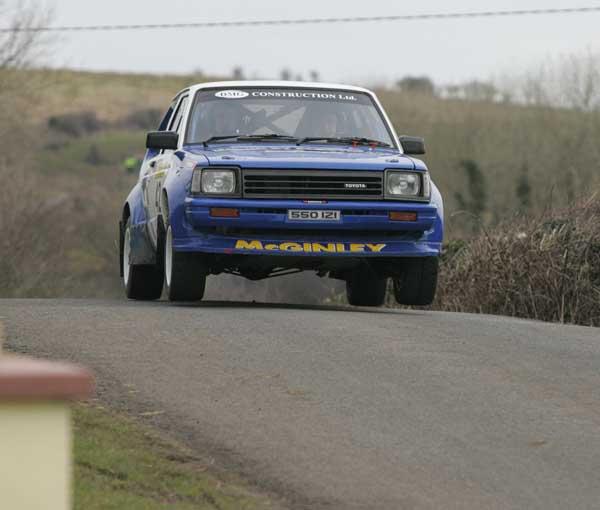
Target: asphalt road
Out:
[343,409]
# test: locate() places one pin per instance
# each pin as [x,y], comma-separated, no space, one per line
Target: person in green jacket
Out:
[130,164]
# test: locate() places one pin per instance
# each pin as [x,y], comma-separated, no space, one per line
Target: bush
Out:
[31,235]
[75,124]
[146,119]
[545,268]
[93,156]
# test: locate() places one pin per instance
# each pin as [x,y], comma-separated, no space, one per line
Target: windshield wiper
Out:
[267,136]
[350,140]
[217,138]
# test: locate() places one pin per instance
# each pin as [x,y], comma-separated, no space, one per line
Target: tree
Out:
[28,238]
[20,45]
[580,81]
[419,84]
[286,74]
[238,73]
[523,190]
[479,91]
[569,81]
[474,198]
[19,48]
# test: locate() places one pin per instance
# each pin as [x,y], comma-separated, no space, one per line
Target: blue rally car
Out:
[262,179]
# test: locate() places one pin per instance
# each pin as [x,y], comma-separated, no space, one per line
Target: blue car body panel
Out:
[306,157]
[363,222]
[364,229]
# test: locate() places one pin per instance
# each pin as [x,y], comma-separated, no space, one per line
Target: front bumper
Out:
[264,228]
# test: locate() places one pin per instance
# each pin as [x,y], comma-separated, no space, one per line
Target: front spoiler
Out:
[263,228]
[306,245]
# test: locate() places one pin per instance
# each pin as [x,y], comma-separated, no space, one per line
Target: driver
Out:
[329,126]
[224,120]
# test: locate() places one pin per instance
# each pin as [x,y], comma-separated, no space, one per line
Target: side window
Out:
[178,117]
[164,123]
[165,120]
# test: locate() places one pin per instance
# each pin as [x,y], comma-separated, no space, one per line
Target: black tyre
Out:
[365,288]
[143,282]
[416,286]
[185,273]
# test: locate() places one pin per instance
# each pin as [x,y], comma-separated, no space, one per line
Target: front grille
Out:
[313,184]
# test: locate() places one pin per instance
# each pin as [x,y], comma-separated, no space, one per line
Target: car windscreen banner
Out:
[268,94]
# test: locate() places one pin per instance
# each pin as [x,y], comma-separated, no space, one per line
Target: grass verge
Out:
[121,464]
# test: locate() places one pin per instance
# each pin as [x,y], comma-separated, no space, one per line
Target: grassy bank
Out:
[120,464]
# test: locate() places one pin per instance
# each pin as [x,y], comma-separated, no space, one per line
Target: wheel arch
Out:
[141,248]
[124,217]
[126,212]
[438,201]
[164,205]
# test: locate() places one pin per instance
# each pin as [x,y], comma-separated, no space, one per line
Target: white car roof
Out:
[277,84]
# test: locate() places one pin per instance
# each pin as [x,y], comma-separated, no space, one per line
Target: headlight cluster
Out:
[407,185]
[215,181]
[399,184]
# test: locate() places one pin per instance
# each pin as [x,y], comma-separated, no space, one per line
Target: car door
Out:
[159,166]
[148,166]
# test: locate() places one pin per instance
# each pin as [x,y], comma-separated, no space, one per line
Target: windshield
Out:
[310,115]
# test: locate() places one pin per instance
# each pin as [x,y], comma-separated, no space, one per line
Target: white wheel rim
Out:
[168,256]
[126,251]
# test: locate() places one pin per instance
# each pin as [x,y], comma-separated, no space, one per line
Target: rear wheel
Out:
[142,281]
[365,288]
[417,284]
[185,273]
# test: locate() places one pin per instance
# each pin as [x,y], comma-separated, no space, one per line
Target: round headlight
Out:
[218,182]
[403,183]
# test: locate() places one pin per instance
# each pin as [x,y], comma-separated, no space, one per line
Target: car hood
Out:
[307,157]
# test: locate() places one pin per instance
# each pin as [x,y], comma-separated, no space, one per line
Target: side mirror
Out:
[412,145]
[162,140]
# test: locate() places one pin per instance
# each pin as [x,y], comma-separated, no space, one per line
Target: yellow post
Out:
[35,431]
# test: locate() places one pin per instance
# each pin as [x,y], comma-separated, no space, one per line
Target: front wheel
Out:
[185,273]
[143,282]
[417,284]
[365,288]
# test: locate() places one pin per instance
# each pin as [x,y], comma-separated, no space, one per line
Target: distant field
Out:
[110,95]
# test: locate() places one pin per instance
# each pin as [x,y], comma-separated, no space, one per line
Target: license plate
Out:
[305,215]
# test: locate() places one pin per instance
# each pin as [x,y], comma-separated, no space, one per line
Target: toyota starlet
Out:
[266,178]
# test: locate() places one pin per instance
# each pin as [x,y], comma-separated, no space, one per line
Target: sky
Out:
[449,51]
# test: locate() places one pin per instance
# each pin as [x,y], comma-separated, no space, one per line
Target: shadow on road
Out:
[290,306]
